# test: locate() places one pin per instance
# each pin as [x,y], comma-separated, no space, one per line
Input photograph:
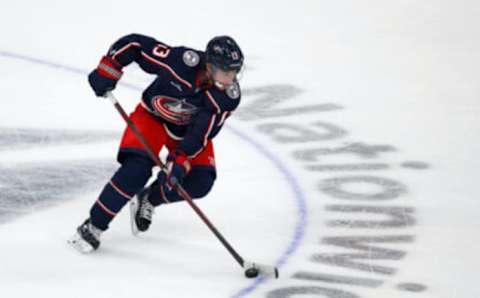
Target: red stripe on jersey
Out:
[171,134]
[213,101]
[205,137]
[186,83]
[224,117]
[125,48]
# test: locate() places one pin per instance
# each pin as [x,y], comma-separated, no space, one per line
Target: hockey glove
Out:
[105,77]
[178,165]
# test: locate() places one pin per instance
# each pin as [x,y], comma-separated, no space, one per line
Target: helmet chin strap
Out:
[219,85]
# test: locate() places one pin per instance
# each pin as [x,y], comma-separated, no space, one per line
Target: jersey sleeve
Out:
[150,54]
[208,122]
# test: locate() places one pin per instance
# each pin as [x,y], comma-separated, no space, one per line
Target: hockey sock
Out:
[125,183]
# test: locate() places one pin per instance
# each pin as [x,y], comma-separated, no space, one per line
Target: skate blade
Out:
[133,210]
[80,245]
[263,270]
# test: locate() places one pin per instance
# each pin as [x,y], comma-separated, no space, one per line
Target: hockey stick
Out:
[251,269]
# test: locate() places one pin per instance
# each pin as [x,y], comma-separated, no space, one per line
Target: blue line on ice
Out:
[289,176]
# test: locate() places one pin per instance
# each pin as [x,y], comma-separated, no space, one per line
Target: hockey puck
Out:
[251,272]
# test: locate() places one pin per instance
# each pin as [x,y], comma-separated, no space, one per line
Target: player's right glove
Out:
[178,165]
[105,77]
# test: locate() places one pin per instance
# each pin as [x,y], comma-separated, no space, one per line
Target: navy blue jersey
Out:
[190,113]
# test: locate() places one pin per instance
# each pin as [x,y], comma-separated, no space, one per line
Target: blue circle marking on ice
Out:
[300,202]
[299,196]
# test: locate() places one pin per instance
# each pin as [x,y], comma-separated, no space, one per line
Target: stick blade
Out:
[263,270]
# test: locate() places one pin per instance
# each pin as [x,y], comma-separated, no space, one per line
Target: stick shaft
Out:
[181,191]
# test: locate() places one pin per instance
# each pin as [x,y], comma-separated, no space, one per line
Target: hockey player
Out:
[183,109]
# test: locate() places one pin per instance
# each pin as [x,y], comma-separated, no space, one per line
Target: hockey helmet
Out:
[223,52]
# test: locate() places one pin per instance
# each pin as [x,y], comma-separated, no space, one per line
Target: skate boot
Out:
[87,238]
[141,212]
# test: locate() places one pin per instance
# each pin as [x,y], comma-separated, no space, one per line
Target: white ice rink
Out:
[352,163]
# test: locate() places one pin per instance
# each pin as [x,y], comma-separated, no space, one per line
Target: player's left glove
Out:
[105,77]
[178,165]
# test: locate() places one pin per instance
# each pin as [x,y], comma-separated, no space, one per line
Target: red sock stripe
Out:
[122,193]
[104,208]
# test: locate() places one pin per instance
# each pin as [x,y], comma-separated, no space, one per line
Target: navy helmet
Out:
[223,52]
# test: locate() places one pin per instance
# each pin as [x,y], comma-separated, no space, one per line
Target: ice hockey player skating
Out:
[183,109]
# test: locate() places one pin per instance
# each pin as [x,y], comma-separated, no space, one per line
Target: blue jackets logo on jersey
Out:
[177,111]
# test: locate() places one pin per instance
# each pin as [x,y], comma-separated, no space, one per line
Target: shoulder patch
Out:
[191,58]
[233,91]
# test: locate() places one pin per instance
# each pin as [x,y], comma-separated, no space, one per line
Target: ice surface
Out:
[401,76]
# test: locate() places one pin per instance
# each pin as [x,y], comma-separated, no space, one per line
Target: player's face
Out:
[221,78]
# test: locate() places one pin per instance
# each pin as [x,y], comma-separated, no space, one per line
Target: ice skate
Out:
[87,238]
[141,212]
